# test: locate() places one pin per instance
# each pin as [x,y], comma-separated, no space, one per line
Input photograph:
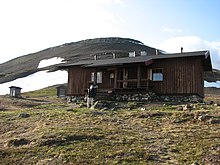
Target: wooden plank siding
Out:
[180,76]
[77,77]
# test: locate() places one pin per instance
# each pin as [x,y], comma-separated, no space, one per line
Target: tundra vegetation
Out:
[39,128]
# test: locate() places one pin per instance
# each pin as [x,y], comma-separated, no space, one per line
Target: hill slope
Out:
[213,77]
[28,64]
[75,51]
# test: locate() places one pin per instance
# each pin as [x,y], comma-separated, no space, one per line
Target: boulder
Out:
[18,142]
[24,115]
[214,121]
[203,117]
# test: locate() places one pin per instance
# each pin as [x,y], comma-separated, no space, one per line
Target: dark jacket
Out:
[92,91]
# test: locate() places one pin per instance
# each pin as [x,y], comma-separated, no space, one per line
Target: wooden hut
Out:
[15,91]
[164,74]
[61,90]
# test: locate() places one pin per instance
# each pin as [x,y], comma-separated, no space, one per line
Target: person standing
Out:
[91,94]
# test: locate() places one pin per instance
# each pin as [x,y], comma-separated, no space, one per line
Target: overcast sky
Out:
[29,26]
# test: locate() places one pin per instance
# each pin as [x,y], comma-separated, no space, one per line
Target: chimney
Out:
[181,49]
[95,57]
[157,52]
[113,55]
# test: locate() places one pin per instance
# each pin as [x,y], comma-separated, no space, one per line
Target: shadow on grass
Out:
[35,100]
[69,139]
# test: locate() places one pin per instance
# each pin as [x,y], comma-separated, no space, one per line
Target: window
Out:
[156,74]
[98,77]
[131,54]
[92,76]
[112,75]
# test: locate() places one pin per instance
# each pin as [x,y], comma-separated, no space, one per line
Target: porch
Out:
[133,86]
[130,88]
[129,79]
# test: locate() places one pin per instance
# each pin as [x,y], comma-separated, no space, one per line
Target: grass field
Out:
[42,129]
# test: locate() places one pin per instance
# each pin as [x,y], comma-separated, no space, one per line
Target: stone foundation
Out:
[162,98]
[74,99]
[144,97]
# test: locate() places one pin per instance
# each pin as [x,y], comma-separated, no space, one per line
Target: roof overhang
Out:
[147,60]
[15,87]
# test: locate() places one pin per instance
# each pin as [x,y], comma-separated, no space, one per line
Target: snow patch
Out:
[36,81]
[51,61]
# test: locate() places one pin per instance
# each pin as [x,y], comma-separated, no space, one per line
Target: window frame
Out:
[156,74]
[98,77]
[92,76]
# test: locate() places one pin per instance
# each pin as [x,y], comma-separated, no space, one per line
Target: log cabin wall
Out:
[180,76]
[77,80]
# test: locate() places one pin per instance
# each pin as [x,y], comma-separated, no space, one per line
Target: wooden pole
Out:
[138,76]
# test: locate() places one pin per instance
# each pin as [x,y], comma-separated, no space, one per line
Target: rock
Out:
[150,96]
[166,99]
[187,107]
[214,121]
[98,105]
[180,108]
[203,117]
[194,99]
[195,163]
[153,158]
[194,107]
[18,142]
[144,98]
[211,102]
[81,105]
[94,105]
[143,108]
[75,99]
[24,115]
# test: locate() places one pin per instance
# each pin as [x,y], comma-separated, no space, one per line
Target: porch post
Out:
[138,76]
[116,77]
[95,76]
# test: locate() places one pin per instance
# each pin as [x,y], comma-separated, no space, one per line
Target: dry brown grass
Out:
[57,133]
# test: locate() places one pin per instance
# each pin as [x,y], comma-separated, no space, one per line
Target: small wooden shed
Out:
[15,91]
[61,90]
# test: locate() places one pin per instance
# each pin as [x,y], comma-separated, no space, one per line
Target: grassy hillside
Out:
[42,129]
